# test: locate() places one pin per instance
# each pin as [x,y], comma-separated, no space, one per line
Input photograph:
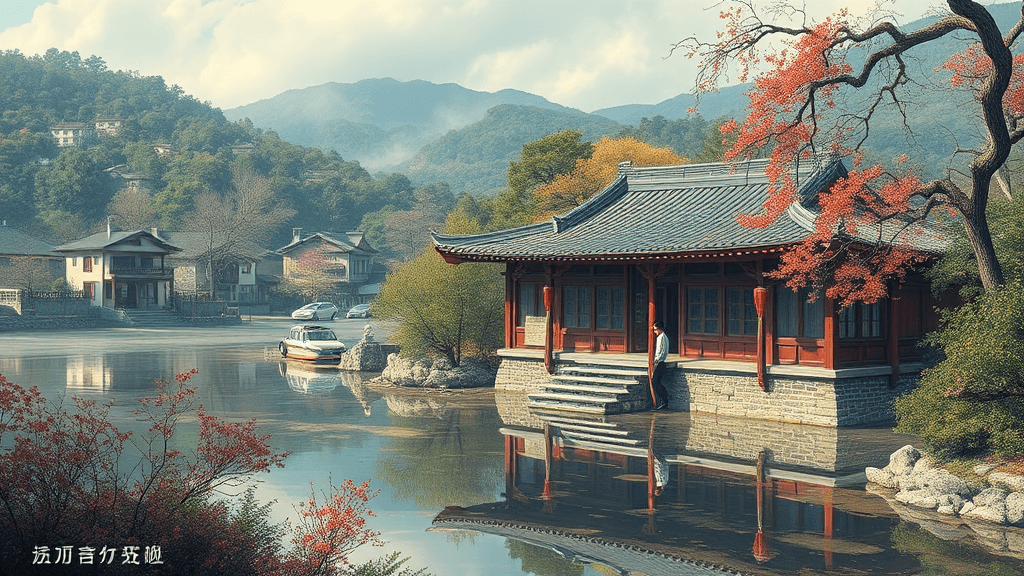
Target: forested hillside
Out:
[59,194]
[475,159]
[381,121]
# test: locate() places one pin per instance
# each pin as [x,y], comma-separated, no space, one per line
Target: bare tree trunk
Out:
[989,270]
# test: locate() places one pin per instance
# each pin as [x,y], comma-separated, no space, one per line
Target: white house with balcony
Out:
[119,269]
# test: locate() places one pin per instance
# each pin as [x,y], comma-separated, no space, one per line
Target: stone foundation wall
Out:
[60,306]
[803,400]
[813,400]
[520,375]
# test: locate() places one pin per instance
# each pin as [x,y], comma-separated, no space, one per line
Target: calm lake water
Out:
[470,484]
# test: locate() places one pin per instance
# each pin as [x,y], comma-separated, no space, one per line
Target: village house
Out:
[109,126]
[663,243]
[236,280]
[349,256]
[16,246]
[118,269]
[68,134]
[128,180]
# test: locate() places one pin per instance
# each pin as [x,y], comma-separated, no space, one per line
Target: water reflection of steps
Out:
[153,318]
[594,431]
[594,389]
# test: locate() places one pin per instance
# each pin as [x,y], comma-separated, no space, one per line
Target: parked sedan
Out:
[359,311]
[309,342]
[316,311]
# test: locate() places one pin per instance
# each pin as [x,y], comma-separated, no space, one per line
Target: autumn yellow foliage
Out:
[591,175]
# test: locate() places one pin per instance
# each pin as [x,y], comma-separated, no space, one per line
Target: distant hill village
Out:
[135,271]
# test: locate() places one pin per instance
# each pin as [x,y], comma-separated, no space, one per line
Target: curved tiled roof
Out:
[651,212]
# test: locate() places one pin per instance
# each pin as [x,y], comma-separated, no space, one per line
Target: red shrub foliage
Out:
[73,486]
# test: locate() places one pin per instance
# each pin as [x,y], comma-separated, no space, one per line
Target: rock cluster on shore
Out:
[921,485]
[429,372]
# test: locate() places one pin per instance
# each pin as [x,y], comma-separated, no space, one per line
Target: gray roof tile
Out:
[14,243]
[668,211]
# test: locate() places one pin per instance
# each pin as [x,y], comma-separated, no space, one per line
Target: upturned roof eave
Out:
[725,252]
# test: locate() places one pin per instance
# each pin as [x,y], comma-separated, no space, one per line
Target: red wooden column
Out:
[827,544]
[760,299]
[510,320]
[831,337]
[894,338]
[510,468]
[549,345]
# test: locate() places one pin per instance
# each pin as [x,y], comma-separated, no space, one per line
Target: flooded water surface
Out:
[473,482]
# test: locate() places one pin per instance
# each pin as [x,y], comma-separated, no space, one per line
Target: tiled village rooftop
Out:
[661,211]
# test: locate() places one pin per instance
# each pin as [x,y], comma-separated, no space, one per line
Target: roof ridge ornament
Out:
[625,167]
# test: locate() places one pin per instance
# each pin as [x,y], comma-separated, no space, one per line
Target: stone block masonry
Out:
[829,399]
[802,395]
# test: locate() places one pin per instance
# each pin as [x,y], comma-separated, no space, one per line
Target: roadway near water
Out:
[427,450]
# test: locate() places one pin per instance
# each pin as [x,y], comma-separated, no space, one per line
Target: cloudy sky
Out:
[586,54]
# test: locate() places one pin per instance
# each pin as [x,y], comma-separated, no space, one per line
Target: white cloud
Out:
[578,53]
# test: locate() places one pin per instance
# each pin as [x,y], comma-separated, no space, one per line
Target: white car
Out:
[316,311]
[314,343]
[359,311]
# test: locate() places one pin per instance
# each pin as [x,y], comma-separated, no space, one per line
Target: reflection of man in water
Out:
[660,355]
[661,471]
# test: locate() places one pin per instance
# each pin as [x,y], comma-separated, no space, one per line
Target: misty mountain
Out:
[475,159]
[730,101]
[380,122]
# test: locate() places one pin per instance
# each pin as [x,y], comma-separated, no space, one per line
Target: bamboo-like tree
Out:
[444,309]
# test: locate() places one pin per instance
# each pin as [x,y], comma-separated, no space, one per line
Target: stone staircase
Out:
[594,389]
[153,318]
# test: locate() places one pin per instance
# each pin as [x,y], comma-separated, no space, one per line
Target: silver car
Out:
[316,311]
[359,311]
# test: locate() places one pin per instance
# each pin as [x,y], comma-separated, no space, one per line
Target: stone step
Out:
[597,380]
[575,398]
[603,371]
[143,318]
[582,388]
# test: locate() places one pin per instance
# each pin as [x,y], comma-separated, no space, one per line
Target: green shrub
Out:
[972,401]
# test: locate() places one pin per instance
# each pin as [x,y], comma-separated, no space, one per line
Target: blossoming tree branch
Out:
[802,103]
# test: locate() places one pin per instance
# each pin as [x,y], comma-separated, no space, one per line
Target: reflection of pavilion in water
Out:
[750,496]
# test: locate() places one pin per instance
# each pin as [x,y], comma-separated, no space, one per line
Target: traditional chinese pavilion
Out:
[664,243]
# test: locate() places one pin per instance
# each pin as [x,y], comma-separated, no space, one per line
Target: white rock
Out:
[926,498]
[996,514]
[923,464]
[944,482]
[1015,508]
[967,507]
[991,497]
[883,478]
[951,510]
[1008,481]
[902,461]
[952,501]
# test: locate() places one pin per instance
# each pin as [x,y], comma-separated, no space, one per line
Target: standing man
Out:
[660,354]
